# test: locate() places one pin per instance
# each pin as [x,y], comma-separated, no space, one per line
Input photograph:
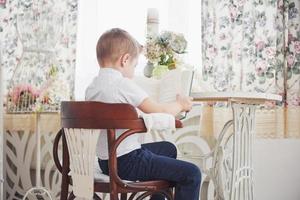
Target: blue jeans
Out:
[158,161]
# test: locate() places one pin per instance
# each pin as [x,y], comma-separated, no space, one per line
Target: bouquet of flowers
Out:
[163,51]
[26,97]
[23,96]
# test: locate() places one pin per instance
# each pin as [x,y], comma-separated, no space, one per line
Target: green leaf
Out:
[271,68]
[250,78]
[278,66]
[239,21]
[205,75]
[262,79]
[269,74]
[296,70]
[223,48]
[298,34]
[289,74]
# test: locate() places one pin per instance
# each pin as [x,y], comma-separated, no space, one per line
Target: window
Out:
[97,16]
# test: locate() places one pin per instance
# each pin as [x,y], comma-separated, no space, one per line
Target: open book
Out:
[165,89]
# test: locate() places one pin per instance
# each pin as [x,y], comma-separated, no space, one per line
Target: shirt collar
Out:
[108,70]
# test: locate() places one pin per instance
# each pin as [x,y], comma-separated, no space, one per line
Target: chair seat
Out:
[102,181]
[103,187]
[99,175]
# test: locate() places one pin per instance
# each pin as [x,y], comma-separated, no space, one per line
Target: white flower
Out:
[295,47]
[153,51]
[290,60]
[261,66]
[164,49]
[269,53]
[241,2]
[178,43]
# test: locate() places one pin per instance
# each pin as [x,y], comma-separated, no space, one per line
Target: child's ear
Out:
[124,59]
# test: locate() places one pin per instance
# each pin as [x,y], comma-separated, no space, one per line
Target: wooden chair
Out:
[86,117]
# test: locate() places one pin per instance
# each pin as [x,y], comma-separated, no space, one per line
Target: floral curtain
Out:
[254,46]
[28,46]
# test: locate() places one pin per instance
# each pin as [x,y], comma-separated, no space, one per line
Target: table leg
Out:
[232,169]
[220,170]
[242,166]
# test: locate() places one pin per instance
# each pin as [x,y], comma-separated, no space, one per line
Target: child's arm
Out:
[181,104]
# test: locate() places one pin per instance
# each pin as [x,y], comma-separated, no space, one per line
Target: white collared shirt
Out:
[111,87]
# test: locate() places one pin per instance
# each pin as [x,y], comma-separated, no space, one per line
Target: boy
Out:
[117,54]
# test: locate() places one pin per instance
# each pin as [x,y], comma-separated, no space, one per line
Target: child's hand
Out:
[185,102]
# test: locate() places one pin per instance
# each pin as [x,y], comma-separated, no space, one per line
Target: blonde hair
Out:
[114,43]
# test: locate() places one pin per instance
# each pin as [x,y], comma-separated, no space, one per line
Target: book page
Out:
[186,88]
[186,82]
[165,90]
[176,82]
[170,86]
[173,83]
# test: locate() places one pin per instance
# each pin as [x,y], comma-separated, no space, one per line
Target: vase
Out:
[148,69]
[159,71]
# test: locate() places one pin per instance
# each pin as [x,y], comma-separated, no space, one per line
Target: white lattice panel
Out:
[20,156]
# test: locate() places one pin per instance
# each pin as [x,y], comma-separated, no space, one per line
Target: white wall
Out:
[277,169]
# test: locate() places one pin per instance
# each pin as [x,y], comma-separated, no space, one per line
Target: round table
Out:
[232,170]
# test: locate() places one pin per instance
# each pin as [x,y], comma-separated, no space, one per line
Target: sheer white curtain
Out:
[97,16]
[87,35]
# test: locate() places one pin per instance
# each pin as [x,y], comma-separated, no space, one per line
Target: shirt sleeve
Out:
[131,93]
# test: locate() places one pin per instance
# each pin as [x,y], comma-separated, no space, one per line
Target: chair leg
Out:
[124,196]
[114,196]
[172,193]
[65,171]
[72,196]
[64,188]
[131,197]
[96,197]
